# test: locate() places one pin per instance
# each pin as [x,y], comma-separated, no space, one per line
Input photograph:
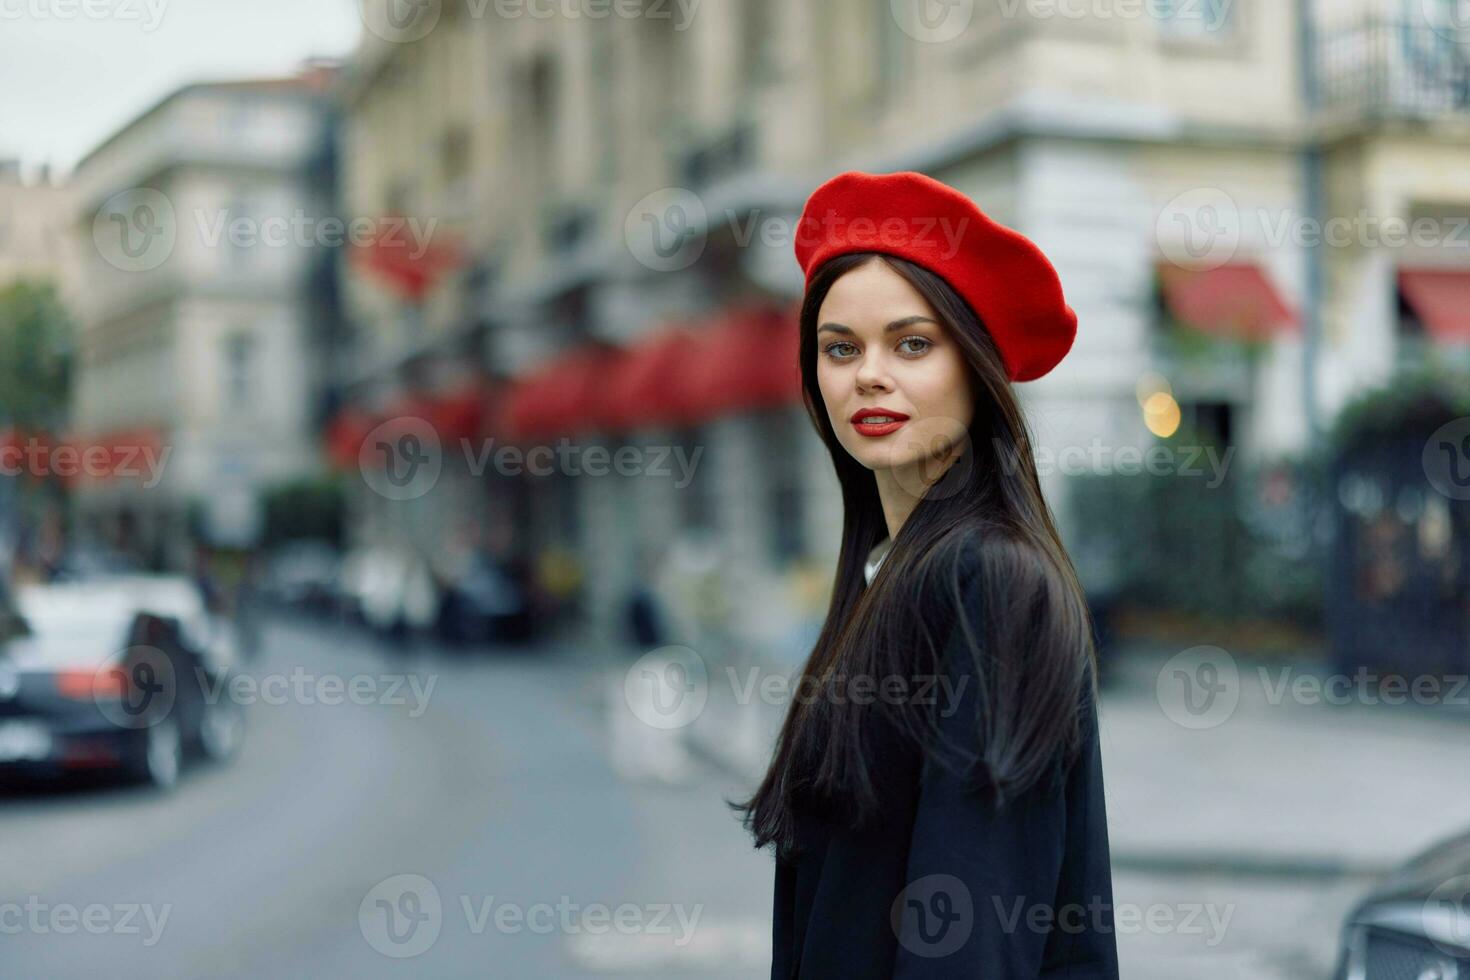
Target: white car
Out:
[393,590]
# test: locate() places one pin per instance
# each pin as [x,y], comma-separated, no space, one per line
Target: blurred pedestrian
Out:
[645,620]
[915,830]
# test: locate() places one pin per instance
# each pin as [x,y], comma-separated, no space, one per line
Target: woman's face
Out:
[881,351]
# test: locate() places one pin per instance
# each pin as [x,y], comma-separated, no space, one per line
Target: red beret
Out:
[1008,282]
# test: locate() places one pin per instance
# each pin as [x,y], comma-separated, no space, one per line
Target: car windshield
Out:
[67,630]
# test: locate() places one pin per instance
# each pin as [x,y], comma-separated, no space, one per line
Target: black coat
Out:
[1020,893]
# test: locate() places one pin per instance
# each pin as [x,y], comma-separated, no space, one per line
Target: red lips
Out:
[863,413]
[876,428]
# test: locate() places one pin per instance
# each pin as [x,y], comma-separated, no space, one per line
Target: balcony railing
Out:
[1393,69]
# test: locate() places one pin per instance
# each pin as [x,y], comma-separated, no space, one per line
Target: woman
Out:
[936,797]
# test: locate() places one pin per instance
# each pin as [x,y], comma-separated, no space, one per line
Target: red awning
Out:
[406,265]
[457,413]
[561,397]
[747,359]
[677,375]
[643,386]
[1236,300]
[344,436]
[461,413]
[128,453]
[1441,300]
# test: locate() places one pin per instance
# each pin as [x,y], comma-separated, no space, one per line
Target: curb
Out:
[1237,864]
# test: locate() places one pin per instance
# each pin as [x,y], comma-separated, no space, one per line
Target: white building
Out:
[199,235]
[30,226]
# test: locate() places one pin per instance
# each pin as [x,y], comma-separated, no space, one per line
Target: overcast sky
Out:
[74,71]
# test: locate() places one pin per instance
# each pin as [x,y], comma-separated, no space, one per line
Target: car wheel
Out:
[221,730]
[163,754]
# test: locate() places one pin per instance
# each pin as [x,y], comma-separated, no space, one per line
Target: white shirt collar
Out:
[875,558]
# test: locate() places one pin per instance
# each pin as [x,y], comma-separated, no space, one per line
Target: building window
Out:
[239,353]
[455,153]
[1410,327]
[537,134]
[604,69]
[568,512]
[237,233]
[779,434]
[1212,422]
[755,40]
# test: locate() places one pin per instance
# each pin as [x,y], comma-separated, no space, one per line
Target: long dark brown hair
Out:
[980,536]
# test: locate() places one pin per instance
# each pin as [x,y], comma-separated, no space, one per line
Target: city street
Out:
[616,351]
[503,814]
[499,793]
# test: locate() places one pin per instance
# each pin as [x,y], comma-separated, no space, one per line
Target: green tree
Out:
[35,355]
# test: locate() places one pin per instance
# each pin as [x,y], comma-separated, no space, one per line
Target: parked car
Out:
[1415,923]
[390,590]
[84,563]
[127,674]
[303,574]
[485,604]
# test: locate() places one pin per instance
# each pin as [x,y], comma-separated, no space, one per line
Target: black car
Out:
[1416,923]
[127,675]
[485,605]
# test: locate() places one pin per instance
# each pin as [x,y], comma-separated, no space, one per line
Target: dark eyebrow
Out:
[907,321]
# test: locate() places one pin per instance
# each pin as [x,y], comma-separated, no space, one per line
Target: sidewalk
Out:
[1288,784]
[1276,785]
[1264,807]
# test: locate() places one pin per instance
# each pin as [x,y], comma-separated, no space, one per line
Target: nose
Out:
[872,373]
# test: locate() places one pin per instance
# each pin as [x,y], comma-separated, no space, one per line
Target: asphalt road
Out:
[470,826]
[476,816]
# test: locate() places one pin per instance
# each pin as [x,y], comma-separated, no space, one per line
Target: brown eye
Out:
[927,343]
[830,348]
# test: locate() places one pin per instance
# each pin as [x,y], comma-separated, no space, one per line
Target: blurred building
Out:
[30,225]
[618,198]
[199,237]
[1392,93]
[421,164]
